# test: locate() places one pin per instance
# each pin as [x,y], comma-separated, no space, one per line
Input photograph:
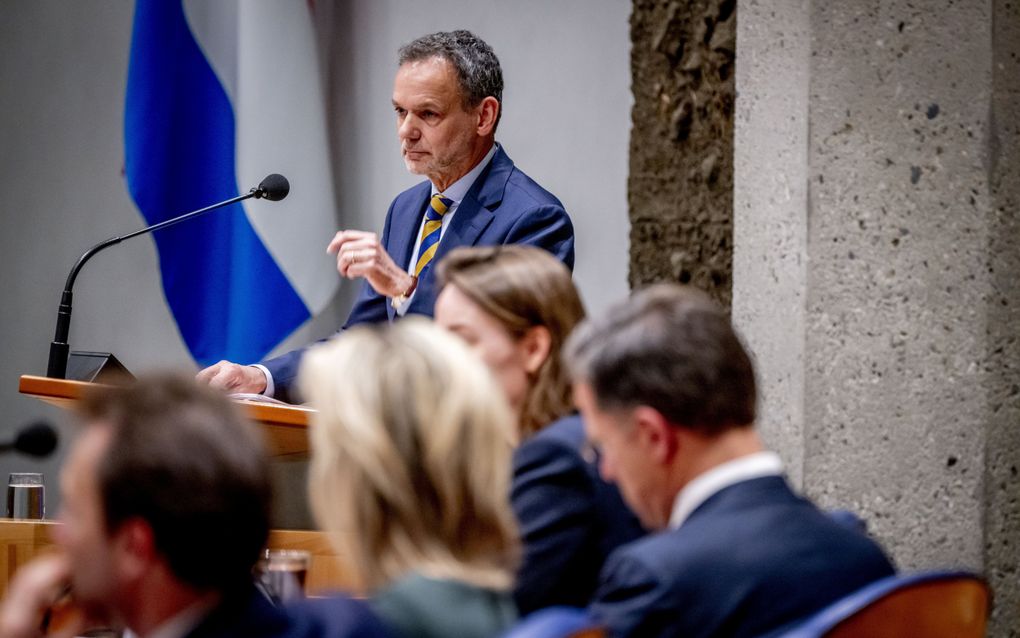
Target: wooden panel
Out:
[284,426]
[329,572]
[20,541]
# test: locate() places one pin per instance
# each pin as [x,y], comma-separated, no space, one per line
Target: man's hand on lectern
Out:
[234,378]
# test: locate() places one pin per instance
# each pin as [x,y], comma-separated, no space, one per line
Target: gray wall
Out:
[62,79]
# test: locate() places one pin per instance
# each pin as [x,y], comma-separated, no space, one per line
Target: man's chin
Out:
[414,167]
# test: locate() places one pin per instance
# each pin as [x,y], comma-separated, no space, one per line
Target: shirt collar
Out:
[182,623]
[709,483]
[459,189]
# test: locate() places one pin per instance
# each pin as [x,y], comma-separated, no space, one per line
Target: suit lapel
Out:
[491,184]
[474,214]
[465,227]
[462,231]
[404,230]
[405,225]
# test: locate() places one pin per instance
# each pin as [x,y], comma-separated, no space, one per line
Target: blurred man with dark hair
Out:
[668,395]
[165,509]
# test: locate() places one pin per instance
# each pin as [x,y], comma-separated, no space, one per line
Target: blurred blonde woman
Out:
[515,306]
[410,469]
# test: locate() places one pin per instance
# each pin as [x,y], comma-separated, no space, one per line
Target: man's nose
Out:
[408,128]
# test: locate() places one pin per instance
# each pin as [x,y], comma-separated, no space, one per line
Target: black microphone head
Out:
[38,439]
[274,188]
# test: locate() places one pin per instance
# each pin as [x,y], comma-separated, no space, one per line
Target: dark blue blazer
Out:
[570,519]
[503,206]
[249,614]
[750,561]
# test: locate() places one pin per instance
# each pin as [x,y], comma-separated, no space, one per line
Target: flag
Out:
[219,95]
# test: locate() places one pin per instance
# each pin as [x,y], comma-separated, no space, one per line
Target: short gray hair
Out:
[670,348]
[476,64]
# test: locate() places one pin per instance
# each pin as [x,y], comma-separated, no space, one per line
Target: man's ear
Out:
[488,112]
[134,547]
[535,345]
[655,433]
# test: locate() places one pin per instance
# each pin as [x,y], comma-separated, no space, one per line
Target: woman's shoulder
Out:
[567,431]
[418,605]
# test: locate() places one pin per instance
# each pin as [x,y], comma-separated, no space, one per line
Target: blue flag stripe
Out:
[229,298]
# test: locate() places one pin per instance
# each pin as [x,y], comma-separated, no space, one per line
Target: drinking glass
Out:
[26,498]
[281,573]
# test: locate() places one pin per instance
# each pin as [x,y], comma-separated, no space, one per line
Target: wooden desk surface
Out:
[21,541]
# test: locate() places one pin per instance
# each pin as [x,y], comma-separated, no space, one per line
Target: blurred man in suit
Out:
[447,97]
[165,509]
[668,395]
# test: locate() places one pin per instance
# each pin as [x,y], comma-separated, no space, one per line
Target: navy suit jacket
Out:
[750,561]
[249,614]
[503,206]
[570,519]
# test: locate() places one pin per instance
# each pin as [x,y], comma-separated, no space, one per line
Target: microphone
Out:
[38,439]
[273,188]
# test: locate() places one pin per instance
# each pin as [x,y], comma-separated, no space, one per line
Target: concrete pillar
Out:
[877,266]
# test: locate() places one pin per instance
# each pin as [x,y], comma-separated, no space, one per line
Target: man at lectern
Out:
[447,97]
[165,510]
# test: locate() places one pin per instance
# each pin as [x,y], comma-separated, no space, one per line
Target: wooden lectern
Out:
[285,429]
[285,426]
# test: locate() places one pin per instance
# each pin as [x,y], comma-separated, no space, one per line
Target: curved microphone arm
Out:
[59,348]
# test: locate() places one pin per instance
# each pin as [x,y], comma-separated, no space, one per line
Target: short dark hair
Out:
[673,349]
[476,64]
[182,458]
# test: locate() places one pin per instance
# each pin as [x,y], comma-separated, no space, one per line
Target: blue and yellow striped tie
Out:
[430,232]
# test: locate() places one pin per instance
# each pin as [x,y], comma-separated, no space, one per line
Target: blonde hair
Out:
[523,287]
[411,450]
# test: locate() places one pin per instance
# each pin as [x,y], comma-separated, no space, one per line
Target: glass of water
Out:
[281,574]
[26,497]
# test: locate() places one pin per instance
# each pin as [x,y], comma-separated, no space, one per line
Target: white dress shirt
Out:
[707,484]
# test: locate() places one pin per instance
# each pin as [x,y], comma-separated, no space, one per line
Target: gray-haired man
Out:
[447,98]
[668,394]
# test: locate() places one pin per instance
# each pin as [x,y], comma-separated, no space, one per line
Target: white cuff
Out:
[401,308]
[270,387]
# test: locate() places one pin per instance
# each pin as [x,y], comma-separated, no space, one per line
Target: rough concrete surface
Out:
[889,292]
[770,213]
[681,149]
[1002,346]
[897,244]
